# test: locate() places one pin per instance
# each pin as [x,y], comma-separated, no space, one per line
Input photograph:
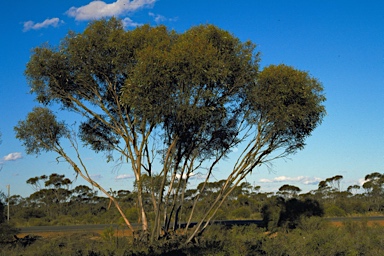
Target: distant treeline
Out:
[54,202]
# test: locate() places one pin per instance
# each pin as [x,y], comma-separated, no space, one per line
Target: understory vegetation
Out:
[293,223]
[314,236]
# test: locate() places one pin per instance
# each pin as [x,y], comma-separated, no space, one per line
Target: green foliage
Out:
[291,100]
[271,213]
[108,234]
[241,213]
[311,224]
[7,229]
[334,210]
[2,210]
[289,213]
[33,213]
[133,214]
[221,215]
[288,191]
[327,240]
[40,131]
[245,240]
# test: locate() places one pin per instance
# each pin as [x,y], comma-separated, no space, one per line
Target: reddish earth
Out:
[369,223]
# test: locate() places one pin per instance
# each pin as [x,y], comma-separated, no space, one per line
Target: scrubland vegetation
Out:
[294,223]
[314,236]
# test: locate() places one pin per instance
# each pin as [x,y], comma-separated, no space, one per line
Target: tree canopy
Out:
[181,100]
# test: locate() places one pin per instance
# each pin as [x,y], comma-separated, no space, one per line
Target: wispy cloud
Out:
[157,17]
[184,175]
[30,25]
[123,177]
[300,179]
[127,22]
[100,9]
[160,18]
[12,157]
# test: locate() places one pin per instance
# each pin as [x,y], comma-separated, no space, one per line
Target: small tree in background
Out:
[289,213]
[374,187]
[288,191]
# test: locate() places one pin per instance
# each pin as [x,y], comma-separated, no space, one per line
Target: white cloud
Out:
[123,177]
[361,181]
[54,22]
[99,9]
[13,156]
[301,179]
[127,22]
[184,175]
[192,176]
[157,17]
[160,18]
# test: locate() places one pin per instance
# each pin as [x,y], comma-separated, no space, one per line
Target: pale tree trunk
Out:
[86,176]
[156,230]
[253,155]
[143,216]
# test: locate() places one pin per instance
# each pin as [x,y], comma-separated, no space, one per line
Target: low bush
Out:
[334,211]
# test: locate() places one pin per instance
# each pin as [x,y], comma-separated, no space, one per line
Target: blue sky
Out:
[339,42]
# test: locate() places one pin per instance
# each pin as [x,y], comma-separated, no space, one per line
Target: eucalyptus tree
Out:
[374,187]
[374,183]
[181,101]
[353,189]
[288,191]
[82,193]
[35,182]
[335,182]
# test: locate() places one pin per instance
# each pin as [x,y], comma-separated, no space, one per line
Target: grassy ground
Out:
[313,236]
[125,232]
